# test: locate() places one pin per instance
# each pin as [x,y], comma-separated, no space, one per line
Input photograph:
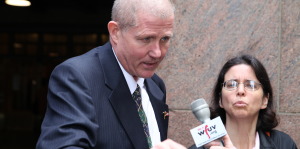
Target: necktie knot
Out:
[137,93]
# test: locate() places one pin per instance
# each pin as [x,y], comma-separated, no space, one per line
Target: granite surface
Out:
[289,100]
[208,33]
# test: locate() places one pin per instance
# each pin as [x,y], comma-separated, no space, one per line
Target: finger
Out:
[175,145]
[227,142]
[217,147]
[168,144]
[161,145]
[213,143]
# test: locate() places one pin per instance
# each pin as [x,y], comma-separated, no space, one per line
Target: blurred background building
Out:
[33,40]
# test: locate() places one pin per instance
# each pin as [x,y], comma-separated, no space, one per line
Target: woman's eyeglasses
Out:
[248,85]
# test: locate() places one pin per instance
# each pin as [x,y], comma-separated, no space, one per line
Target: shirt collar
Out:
[129,78]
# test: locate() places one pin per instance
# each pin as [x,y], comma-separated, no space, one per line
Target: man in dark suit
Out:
[90,101]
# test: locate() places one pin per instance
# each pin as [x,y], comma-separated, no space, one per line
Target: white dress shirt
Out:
[147,106]
[256,141]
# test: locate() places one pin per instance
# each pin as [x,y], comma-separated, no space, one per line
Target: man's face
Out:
[141,48]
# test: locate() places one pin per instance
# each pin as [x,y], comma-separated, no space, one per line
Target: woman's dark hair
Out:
[267,118]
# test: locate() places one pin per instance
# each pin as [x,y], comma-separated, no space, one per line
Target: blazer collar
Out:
[156,97]
[265,141]
[122,102]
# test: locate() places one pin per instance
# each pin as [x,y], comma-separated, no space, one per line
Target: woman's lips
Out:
[240,104]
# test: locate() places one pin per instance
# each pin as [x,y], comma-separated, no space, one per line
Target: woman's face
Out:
[241,102]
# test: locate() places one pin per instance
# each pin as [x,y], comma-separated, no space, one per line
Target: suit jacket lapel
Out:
[156,96]
[126,111]
[265,141]
[121,99]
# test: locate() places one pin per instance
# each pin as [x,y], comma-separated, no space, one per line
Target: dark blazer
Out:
[90,105]
[276,140]
[271,140]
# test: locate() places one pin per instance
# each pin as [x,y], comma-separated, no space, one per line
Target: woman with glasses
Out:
[243,98]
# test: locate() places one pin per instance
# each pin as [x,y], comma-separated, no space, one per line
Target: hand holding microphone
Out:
[227,144]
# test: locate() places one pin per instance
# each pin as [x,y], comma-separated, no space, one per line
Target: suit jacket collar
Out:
[122,102]
[265,141]
[159,106]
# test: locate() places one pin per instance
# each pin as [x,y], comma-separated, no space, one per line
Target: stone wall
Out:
[208,33]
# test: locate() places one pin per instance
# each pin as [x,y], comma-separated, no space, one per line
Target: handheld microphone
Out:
[201,110]
[209,130]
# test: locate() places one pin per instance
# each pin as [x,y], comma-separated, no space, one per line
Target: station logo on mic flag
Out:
[209,131]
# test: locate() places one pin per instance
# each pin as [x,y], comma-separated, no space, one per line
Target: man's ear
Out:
[113,29]
[265,101]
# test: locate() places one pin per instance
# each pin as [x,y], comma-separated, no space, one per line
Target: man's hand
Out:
[168,144]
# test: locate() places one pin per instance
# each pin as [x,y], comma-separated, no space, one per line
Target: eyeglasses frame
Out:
[238,83]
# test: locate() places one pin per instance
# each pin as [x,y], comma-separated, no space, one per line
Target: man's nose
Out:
[155,51]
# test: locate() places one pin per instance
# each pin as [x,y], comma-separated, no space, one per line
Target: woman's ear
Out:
[113,29]
[220,101]
[265,101]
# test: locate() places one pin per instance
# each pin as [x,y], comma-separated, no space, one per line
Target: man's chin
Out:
[147,74]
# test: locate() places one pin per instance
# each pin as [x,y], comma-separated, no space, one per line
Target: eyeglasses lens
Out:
[249,85]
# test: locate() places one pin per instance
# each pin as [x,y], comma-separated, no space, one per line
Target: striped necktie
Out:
[138,100]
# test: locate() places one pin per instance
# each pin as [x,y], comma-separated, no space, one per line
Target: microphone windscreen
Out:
[198,103]
[201,110]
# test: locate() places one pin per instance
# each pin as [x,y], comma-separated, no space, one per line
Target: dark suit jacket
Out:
[90,105]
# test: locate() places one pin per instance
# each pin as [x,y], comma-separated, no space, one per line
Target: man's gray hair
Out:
[125,11]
